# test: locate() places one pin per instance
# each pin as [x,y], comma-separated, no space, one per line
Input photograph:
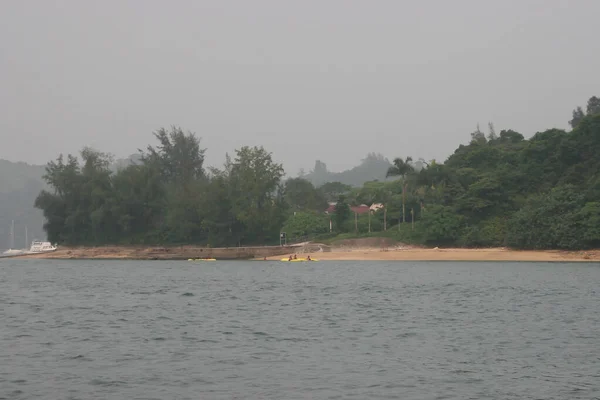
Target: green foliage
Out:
[501,190]
[332,190]
[558,219]
[440,225]
[498,190]
[167,198]
[341,214]
[300,194]
[368,224]
[306,223]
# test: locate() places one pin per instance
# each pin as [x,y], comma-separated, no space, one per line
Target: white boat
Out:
[37,246]
[41,247]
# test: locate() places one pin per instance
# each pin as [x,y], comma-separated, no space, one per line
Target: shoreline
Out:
[454,254]
[370,253]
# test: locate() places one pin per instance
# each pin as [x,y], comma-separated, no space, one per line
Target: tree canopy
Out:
[498,190]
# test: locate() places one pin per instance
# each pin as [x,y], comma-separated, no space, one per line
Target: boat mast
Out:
[12,234]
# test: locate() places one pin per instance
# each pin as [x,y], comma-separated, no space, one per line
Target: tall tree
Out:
[254,184]
[593,106]
[178,155]
[341,213]
[300,194]
[402,168]
[492,132]
[332,190]
[478,137]
[578,115]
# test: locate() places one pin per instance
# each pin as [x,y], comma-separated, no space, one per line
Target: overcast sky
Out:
[308,79]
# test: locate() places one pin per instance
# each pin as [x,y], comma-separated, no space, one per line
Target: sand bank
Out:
[159,252]
[345,252]
[424,254]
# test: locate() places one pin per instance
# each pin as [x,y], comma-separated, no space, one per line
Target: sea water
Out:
[321,330]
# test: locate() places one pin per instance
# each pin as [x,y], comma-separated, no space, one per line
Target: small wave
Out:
[298,328]
[79,357]
[293,339]
[206,340]
[188,294]
[101,382]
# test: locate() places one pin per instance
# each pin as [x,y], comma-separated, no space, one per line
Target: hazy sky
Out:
[308,79]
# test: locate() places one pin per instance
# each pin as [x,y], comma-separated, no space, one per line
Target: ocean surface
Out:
[323,330]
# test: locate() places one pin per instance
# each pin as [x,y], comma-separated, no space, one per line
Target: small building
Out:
[376,206]
[362,209]
[330,208]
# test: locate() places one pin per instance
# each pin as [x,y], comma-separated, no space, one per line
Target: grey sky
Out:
[310,79]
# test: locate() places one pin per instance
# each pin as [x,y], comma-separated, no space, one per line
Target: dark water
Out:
[327,330]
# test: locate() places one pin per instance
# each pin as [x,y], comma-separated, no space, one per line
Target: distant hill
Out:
[20,183]
[373,167]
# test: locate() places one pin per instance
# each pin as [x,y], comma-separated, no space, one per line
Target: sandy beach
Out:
[424,254]
[355,249]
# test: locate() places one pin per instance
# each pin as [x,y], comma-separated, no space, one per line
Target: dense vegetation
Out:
[498,190]
[20,183]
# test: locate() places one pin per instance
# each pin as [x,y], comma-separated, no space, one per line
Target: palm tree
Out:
[368,198]
[402,168]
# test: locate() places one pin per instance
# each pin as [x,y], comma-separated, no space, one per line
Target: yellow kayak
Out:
[202,259]
[298,259]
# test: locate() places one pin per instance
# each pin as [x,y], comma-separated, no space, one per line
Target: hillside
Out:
[373,167]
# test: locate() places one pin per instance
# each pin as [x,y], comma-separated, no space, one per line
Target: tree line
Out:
[499,190]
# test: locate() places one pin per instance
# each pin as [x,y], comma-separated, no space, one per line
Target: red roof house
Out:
[362,209]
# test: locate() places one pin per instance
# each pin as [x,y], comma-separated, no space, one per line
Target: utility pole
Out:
[385,217]
[412,218]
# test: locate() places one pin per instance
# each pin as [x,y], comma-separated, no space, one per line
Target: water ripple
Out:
[334,330]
